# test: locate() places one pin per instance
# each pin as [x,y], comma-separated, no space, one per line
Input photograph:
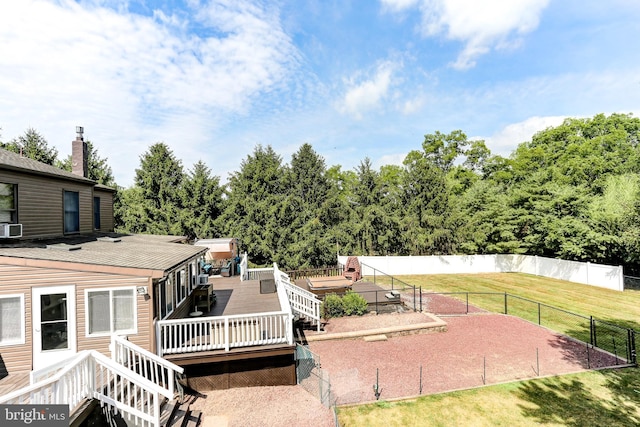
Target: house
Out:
[69,284]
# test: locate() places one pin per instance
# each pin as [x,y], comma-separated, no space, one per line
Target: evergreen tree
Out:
[33,146]
[97,167]
[202,202]
[254,205]
[160,179]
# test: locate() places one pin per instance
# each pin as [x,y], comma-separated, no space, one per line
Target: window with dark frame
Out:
[96,213]
[71,212]
[8,210]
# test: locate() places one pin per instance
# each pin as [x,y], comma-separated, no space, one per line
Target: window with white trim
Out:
[181,285]
[168,286]
[111,311]
[193,274]
[12,319]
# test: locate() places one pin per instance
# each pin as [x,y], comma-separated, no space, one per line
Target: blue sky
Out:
[355,79]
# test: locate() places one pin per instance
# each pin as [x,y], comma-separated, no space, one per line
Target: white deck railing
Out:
[224,332]
[244,267]
[254,273]
[93,375]
[302,302]
[154,368]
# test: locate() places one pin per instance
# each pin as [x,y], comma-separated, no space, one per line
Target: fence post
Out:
[414,298]
[467,294]
[376,303]
[420,299]
[631,346]
[505,304]
[539,323]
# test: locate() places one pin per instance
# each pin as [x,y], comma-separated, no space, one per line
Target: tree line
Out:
[572,192]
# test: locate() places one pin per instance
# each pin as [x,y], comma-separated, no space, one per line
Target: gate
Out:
[311,376]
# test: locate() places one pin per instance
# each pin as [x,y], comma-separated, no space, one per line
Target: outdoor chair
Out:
[205,267]
[225,270]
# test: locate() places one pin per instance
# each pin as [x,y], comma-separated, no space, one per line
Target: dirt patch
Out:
[262,407]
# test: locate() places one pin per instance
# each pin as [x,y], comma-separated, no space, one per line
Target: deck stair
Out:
[133,386]
[177,414]
[304,304]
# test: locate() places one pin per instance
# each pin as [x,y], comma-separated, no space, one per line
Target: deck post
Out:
[226,333]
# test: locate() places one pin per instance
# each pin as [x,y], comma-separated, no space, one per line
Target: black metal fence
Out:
[615,339]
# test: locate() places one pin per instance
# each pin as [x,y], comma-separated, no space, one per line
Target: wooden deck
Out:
[234,297]
[373,293]
[14,381]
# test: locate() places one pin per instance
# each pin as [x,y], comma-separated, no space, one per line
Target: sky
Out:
[213,79]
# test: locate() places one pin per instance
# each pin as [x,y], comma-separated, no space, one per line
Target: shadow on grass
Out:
[570,402]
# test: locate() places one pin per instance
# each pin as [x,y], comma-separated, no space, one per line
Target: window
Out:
[96,213]
[111,311]
[181,285]
[71,212]
[168,288]
[8,211]
[11,319]
[193,275]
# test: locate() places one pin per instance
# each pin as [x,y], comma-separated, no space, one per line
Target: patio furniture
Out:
[267,283]
[204,298]
[205,267]
[225,270]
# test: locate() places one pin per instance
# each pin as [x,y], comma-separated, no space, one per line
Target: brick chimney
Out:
[79,163]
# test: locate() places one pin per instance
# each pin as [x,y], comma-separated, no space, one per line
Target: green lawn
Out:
[621,308]
[598,398]
[610,397]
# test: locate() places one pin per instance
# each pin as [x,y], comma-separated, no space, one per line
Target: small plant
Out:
[332,306]
[354,304]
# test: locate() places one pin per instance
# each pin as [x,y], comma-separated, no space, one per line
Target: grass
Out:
[597,398]
[622,308]
[608,397]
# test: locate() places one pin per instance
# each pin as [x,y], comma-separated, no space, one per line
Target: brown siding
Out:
[17,279]
[37,195]
[106,210]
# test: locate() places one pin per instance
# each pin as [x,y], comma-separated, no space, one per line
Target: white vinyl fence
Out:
[605,276]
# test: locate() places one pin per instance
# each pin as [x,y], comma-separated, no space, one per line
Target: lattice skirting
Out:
[265,371]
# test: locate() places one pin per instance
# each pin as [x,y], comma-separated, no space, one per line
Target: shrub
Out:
[354,303]
[332,306]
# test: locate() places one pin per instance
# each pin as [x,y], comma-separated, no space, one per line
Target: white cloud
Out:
[398,5]
[480,25]
[509,137]
[366,95]
[390,159]
[412,106]
[133,80]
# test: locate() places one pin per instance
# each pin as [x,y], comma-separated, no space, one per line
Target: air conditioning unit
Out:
[10,231]
[203,279]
